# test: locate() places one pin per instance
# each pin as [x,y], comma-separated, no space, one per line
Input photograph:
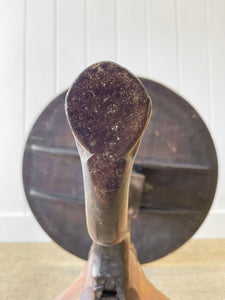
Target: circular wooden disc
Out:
[177,157]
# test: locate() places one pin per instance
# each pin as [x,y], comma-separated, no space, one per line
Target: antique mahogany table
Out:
[153,189]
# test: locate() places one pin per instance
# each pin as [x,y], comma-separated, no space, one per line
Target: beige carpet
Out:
[42,270]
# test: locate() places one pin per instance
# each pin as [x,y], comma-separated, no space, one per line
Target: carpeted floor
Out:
[40,271]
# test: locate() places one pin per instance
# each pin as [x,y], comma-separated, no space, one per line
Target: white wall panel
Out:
[131,28]
[45,44]
[12,104]
[216,37]
[193,54]
[40,57]
[70,41]
[162,41]
[100,31]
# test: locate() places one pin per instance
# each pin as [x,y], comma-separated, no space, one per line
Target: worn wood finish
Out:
[177,159]
[139,287]
[108,110]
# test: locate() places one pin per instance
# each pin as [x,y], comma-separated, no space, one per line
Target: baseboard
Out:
[213,226]
[21,228]
[24,228]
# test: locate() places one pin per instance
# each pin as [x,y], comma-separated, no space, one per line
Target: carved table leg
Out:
[112,273]
[108,110]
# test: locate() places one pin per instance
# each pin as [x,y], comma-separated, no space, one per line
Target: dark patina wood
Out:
[174,175]
[108,110]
